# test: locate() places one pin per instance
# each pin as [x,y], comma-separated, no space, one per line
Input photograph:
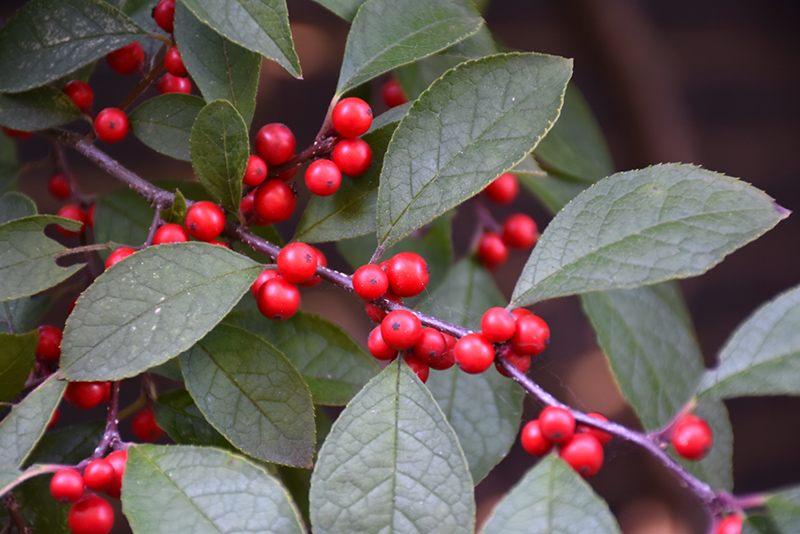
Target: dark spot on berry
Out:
[395,326]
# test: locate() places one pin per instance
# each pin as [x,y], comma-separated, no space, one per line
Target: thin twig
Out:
[12,507]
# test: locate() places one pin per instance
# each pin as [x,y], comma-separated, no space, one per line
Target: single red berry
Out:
[117,459]
[473,353]
[503,189]
[16,134]
[267,274]
[431,346]
[498,325]
[393,94]
[170,83]
[58,186]
[532,335]
[90,216]
[352,156]
[106,391]
[170,233]
[85,395]
[602,437]
[420,368]
[520,231]
[278,299]
[377,314]
[49,347]
[164,15]
[111,125]
[401,329]
[173,62]
[54,418]
[117,255]
[274,201]
[74,212]
[256,171]
[370,282]
[352,117]
[532,440]
[378,347]
[408,274]
[91,515]
[248,211]
[98,475]
[66,486]
[491,250]
[275,143]
[521,361]
[145,427]
[204,220]
[448,359]
[323,177]
[730,525]
[557,424]
[72,304]
[692,438]
[297,262]
[126,60]
[584,454]
[322,261]
[80,93]
[520,312]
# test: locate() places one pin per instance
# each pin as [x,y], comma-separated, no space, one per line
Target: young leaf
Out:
[220,148]
[344,8]
[474,123]
[647,337]
[220,68]
[552,498]
[388,33]
[762,356]
[27,260]
[258,25]
[251,394]
[17,354]
[37,109]
[203,491]
[642,227]
[716,469]
[45,40]
[392,464]
[182,420]
[164,123]
[150,307]
[14,205]
[177,212]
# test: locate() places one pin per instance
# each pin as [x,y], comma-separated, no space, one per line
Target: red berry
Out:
[521,361]
[106,391]
[352,156]
[602,437]
[286,176]
[520,231]
[170,233]
[278,299]
[491,250]
[256,171]
[275,143]
[297,262]
[174,62]
[377,314]
[274,201]
[584,454]
[265,275]
[323,177]
[126,60]
[91,515]
[378,347]
[498,325]
[111,125]
[393,94]
[503,189]
[85,395]
[16,134]
[169,83]
[164,15]
[473,353]
[54,418]
[66,486]
[532,335]
[90,216]
[352,117]
[80,93]
[408,274]
[58,186]
[145,427]
[520,312]
[692,438]
[730,525]
[447,360]
[49,347]
[532,440]
[204,220]
[322,261]
[419,367]
[117,255]
[370,282]
[117,459]
[74,212]
[98,475]
[557,424]
[401,329]
[431,346]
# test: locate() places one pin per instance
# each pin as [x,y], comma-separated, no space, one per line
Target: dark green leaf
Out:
[390,451]
[344,8]
[40,512]
[45,40]
[17,354]
[182,420]
[177,212]
[23,315]
[220,148]
[784,511]
[642,227]
[37,109]
[763,355]
[169,369]
[553,191]
[552,498]
[27,257]
[122,216]
[204,491]
[258,25]
[251,394]
[140,11]
[716,469]
[333,365]
[9,164]
[14,205]
[390,116]
[68,445]
[164,123]
[150,307]
[474,123]
[649,341]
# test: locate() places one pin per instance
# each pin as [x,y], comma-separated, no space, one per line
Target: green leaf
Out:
[27,256]
[17,354]
[220,68]
[169,369]
[642,227]
[164,123]
[14,205]
[26,422]
[68,445]
[23,315]
[553,191]
[37,109]
[648,339]
[716,469]
[9,164]
[220,148]
[552,498]
[390,451]
[763,355]
[204,491]
[177,212]
[251,394]
[258,25]
[344,8]
[150,307]
[122,216]
[784,510]
[474,123]
[388,33]
[40,512]
[182,420]
[333,365]
[45,40]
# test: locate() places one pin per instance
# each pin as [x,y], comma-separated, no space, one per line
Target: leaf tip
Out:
[783,212]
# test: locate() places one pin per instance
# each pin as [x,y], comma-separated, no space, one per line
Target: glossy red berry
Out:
[692,438]
[170,233]
[256,171]
[118,460]
[164,15]
[117,255]
[730,525]
[98,475]
[54,418]
[74,212]
[352,117]
[408,274]
[265,275]
[111,125]
[144,426]
[448,359]
[491,250]
[58,186]
[275,143]
[169,83]
[584,454]
[557,424]
[520,312]
[377,314]
[278,299]
[370,282]
[431,346]
[378,347]
[274,201]
[48,348]
[352,156]
[204,220]
[520,231]
[393,94]
[323,177]
[473,353]
[80,93]
[16,134]
[420,368]
[322,261]
[297,262]
[173,62]
[533,441]
[503,189]
[498,325]
[531,336]
[602,437]
[521,361]
[401,329]
[66,486]
[85,395]
[91,515]
[126,60]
